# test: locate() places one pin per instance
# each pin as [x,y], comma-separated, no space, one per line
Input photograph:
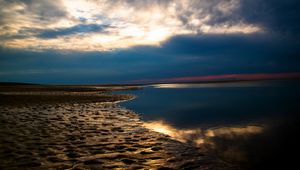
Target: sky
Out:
[127,41]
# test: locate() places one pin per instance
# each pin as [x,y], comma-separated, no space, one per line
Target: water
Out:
[215,104]
[251,124]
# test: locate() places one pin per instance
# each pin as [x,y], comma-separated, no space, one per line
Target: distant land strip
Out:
[222,78]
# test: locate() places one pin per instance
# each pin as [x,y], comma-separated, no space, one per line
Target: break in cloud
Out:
[103,25]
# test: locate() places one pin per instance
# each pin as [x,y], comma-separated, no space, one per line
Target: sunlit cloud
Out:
[88,25]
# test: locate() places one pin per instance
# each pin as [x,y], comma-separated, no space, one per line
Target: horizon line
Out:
[222,77]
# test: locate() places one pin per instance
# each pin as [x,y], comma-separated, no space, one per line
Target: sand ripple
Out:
[89,136]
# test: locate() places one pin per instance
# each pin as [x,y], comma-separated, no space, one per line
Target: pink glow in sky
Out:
[256,76]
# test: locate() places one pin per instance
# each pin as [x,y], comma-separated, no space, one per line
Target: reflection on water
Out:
[200,136]
[210,85]
[233,131]
[178,134]
[199,105]
[228,143]
[249,123]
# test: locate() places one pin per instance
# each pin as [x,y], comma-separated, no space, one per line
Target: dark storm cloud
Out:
[237,45]
[223,54]
[280,16]
[180,56]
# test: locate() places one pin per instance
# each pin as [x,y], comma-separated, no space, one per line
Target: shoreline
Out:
[84,134]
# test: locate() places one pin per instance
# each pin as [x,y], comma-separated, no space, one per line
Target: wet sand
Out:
[86,129]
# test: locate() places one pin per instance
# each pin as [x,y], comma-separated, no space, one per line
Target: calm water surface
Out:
[252,124]
[207,105]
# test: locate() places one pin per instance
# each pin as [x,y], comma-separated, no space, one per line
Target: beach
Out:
[84,127]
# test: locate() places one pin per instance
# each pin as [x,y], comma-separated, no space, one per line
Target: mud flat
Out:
[86,130]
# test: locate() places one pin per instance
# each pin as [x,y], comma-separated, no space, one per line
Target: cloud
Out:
[273,15]
[180,56]
[41,25]
[80,28]
[146,39]
[16,15]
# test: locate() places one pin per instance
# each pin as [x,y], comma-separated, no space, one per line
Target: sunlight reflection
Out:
[231,131]
[209,85]
[180,135]
[198,136]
